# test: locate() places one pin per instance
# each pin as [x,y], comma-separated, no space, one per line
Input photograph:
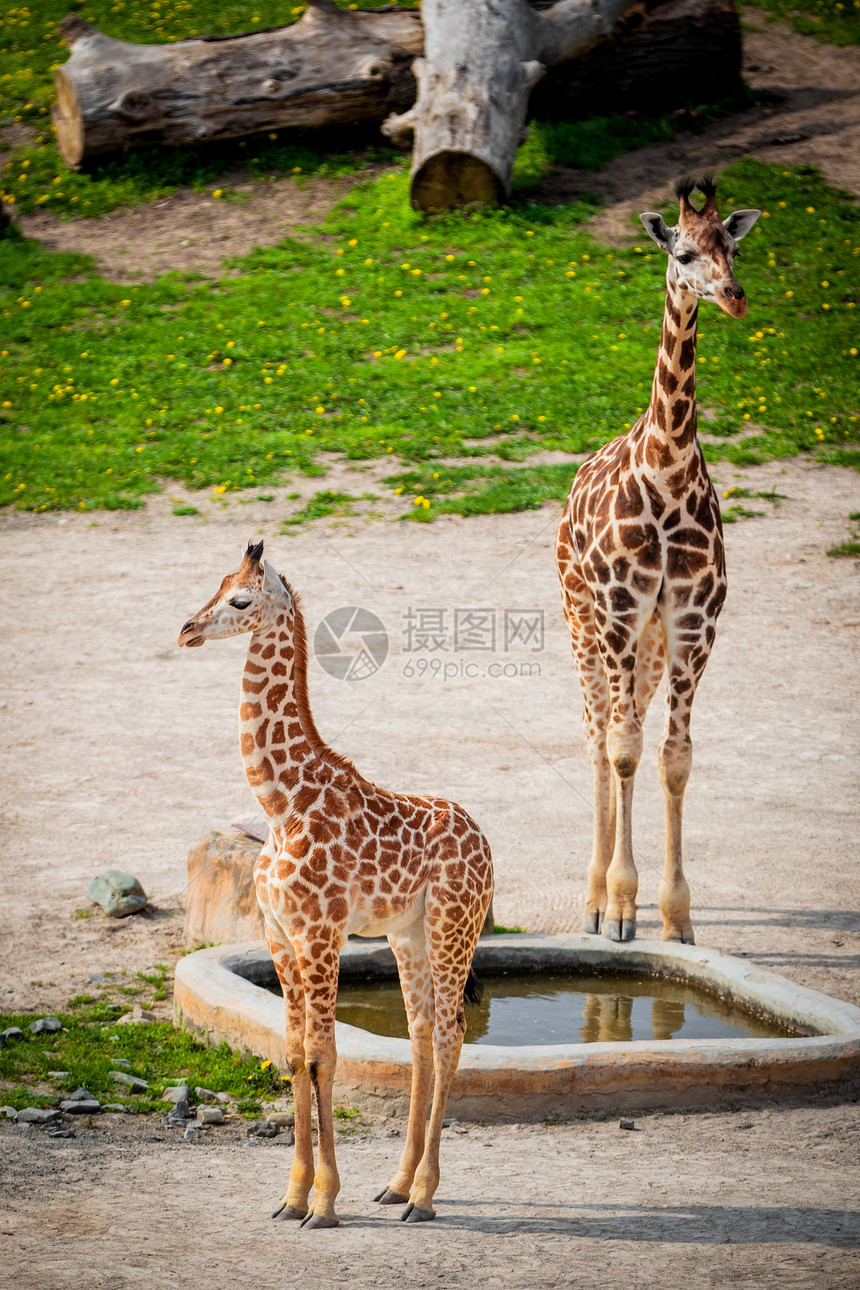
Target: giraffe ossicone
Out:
[643,577]
[345,856]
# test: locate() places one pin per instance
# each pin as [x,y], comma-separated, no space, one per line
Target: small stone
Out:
[137,1017]
[82,1095]
[11,1035]
[742,1124]
[58,1074]
[74,1107]
[116,1107]
[122,1063]
[223,1098]
[210,1115]
[262,1129]
[36,1115]
[98,977]
[131,1082]
[190,1134]
[284,1119]
[60,1133]
[9,1112]
[626,1123]
[288,1138]
[205,1094]
[119,894]
[179,1093]
[46,1026]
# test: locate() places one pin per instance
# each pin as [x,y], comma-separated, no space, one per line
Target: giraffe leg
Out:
[687,660]
[319,978]
[416,981]
[624,745]
[595,692]
[294,1204]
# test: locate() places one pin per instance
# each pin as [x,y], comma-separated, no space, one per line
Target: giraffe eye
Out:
[240,604]
[685,258]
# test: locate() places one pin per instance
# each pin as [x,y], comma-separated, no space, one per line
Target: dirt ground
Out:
[120,750]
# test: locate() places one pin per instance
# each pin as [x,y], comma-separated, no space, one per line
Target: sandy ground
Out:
[760,1201]
[120,750]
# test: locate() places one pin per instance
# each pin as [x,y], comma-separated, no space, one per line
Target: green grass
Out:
[851,546]
[158,1053]
[385,335]
[828,20]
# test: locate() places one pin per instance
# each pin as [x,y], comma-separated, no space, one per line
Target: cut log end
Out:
[68,122]
[454,179]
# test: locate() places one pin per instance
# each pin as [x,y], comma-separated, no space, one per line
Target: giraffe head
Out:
[247,600]
[702,247]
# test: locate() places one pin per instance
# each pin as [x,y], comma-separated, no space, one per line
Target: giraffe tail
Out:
[473,991]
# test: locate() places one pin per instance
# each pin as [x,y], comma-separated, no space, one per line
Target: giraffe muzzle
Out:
[732,299]
[190,636]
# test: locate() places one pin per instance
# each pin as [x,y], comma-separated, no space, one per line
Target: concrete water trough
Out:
[224,993]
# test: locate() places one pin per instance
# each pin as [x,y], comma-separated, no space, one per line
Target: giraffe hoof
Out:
[415,1214]
[684,935]
[389,1197]
[619,929]
[288,1211]
[320,1220]
[591,923]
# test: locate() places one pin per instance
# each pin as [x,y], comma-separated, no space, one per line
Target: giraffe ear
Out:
[273,587]
[655,226]
[739,223]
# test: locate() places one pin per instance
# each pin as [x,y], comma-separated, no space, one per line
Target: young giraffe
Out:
[344,856]
[643,579]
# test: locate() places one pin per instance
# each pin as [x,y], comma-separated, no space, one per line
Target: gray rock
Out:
[190,1134]
[82,1095]
[117,1107]
[59,1074]
[206,1094]
[179,1115]
[284,1119]
[73,1106]
[60,1133]
[626,1123]
[46,1026]
[36,1115]
[119,894]
[9,1112]
[262,1129]
[122,1063]
[176,1095]
[223,1098]
[210,1115]
[288,1138]
[137,1017]
[131,1082]
[98,977]
[11,1034]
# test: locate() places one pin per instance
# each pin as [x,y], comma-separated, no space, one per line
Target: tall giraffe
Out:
[344,856]
[643,577]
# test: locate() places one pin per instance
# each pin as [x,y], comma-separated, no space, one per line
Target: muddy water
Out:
[566,1008]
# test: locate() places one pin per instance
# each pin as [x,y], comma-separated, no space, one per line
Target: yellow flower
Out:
[320,411]
[228,362]
[353,241]
[216,192]
[398,293]
[218,410]
[264,1066]
[401,353]
[437,394]
[115,380]
[125,302]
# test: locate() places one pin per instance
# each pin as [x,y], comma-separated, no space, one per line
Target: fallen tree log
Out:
[482,58]
[333,66]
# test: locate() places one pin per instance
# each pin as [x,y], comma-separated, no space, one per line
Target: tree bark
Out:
[333,66]
[481,60]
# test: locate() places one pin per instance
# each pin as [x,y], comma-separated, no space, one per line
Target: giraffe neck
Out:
[670,421]
[277,732]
